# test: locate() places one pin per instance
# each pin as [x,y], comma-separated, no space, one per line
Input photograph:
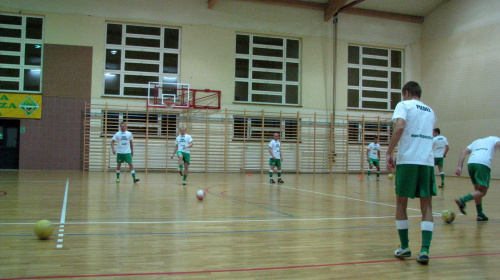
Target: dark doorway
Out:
[9,144]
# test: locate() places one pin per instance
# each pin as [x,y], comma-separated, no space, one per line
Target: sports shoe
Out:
[441,186]
[423,257]
[461,205]
[369,179]
[378,178]
[136,180]
[281,181]
[272,181]
[481,218]
[183,182]
[180,172]
[402,253]
[118,180]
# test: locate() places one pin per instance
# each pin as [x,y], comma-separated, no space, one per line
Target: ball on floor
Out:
[448,216]
[200,195]
[44,229]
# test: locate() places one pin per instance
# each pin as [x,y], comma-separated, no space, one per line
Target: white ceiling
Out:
[405,10]
[407,7]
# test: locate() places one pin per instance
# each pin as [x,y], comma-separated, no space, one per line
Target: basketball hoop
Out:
[169,105]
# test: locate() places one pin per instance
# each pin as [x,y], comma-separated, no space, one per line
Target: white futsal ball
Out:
[200,195]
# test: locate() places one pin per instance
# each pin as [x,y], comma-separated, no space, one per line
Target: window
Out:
[375,77]
[139,54]
[21,44]
[267,70]
[253,128]
[357,133]
[159,125]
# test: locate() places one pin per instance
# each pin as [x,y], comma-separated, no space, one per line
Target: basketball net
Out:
[169,105]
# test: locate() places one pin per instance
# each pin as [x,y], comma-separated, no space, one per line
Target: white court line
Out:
[224,221]
[63,214]
[349,198]
[234,221]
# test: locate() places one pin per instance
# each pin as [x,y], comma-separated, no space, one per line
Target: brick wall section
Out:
[55,142]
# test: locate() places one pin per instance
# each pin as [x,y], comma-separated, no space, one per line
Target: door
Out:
[9,144]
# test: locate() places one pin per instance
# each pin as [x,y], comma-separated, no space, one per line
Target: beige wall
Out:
[353,29]
[208,40]
[454,53]
[460,63]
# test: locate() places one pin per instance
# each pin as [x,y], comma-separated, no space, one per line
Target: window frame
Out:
[125,62]
[24,69]
[262,87]
[393,95]
[248,128]
[156,125]
[359,134]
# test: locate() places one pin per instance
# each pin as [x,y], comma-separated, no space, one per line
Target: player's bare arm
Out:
[131,147]
[175,151]
[271,152]
[398,131]
[188,146]
[113,147]
[464,153]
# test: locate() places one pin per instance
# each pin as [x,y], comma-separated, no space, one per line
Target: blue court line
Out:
[257,205]
[68,221]
[239,231]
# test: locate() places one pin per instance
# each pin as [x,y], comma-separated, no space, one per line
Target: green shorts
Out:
[439,162]
[186,157]
[413,180]
[121,158]
[275,162]
[374,161]
[479,174]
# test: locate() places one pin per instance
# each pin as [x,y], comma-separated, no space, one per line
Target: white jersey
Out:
[182,141]
[123,142]
[439,146]
[415,145]
[482,150]
[373,150]
[276,148]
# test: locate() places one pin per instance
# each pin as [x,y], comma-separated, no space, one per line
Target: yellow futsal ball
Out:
[390,176]
[44,229]
[448,216]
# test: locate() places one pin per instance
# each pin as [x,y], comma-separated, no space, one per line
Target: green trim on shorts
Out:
[413,180]
[186,157]
[121,158]
[374,161]
[479,174]
[275,162]
[439,162]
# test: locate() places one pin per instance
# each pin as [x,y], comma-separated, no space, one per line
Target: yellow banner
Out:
[20,106]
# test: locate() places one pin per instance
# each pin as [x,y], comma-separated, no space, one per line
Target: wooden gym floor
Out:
[312,227]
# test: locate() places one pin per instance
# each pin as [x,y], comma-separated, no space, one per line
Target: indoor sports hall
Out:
[324,75]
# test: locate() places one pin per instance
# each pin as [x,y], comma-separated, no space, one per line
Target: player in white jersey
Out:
[276,158]
[373,155]
[480,154]
[124,151]
[439,149]
[182,144]
[415,166]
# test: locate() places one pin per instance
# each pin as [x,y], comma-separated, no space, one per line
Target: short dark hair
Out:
[375,137]
[413,88]
[437,130]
